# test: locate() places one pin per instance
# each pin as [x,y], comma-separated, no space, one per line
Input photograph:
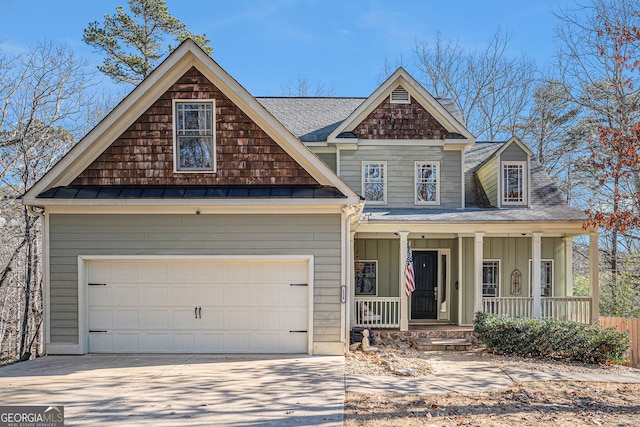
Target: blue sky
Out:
[340,43]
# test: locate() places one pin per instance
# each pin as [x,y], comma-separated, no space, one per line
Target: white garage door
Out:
[204,305]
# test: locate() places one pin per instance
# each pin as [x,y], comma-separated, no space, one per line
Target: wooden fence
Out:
[633,326]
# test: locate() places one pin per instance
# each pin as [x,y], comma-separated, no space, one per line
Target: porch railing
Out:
[377,312]
[575,309]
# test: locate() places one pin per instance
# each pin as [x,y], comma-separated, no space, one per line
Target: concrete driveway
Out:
[182,389]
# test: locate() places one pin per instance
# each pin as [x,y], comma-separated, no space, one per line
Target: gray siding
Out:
[73,235]
[401,174]
[329,159]
[488,177]
[513,153]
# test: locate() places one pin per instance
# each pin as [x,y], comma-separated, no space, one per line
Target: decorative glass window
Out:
[490,278]
[366,277]
[546,277]
[514,189]
[374,182]
[427,183]
[194,136]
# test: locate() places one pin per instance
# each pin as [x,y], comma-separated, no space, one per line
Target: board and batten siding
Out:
[488,176]
[513,253]
[387,253]
[401,172]
[295,234]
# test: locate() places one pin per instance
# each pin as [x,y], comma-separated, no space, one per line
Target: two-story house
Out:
[198,218]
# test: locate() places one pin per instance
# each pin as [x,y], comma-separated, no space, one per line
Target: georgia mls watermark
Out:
[31,416]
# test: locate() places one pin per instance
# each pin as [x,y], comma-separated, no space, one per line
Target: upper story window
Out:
[374,182]
[427,183]
[194,136]
[514,185]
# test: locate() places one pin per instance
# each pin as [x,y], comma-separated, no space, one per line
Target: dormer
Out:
[505,177]
[401,111]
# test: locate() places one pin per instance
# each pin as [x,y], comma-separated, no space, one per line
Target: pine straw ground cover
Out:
[522,405]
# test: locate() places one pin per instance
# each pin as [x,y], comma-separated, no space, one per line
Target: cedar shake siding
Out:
[143,154]
[400,121]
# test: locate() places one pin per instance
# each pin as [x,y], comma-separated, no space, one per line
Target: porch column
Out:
[478,255]
[594,273]
[568,266]
[404,299]
[536,289]
[351,288]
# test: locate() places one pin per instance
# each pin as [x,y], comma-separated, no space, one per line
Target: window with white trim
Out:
[514,185]
[427,183]
[194,136]
[374,182]
[546,277]
[490,277]
[366,273]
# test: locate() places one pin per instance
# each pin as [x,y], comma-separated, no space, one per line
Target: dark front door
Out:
[424,300]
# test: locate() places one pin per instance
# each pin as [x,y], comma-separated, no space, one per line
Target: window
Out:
[194,137]
[514,189]
[427,183]
[546,277]
[374,182]
[366,277]
[490,278]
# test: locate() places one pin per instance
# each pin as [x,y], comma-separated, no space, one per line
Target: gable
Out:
[392,120]
[143,154]
[408,113]
[513,152]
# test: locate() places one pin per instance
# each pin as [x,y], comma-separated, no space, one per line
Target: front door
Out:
[424,300]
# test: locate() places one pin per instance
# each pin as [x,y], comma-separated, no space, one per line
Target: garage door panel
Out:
[101,295]
[126,319]
[209,295]
[183,340]
[155,295]
[154,342]
[236,295]
[100,318]
[232,306]
[183,318]
[210,342]
[126,342]
[212,318]
[101,342]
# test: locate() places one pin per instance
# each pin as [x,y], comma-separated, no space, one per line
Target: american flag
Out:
[409,277]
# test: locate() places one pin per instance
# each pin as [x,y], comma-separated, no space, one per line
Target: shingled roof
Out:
[312,119]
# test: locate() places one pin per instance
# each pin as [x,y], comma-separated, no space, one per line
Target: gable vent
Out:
[400,96]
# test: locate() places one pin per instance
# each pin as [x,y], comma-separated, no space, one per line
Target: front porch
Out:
[507,270]
[384,312]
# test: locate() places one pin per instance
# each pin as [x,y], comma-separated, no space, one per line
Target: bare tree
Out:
[42,105]
[302,87]
[546,128]
[490,87]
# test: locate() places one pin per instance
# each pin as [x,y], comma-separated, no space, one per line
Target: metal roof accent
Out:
[192,192]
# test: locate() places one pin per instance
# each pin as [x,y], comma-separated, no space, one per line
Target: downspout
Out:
[348,212]
[45,274]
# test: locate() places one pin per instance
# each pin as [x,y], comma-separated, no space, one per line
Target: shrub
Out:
[551,338]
